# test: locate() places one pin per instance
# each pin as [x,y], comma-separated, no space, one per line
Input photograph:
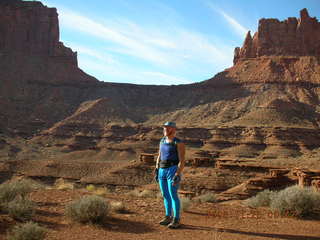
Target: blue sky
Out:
[165,42]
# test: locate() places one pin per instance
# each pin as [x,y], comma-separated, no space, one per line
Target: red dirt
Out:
[214,221]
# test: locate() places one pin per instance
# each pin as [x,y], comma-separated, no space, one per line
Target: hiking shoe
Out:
[167,220]
[174,224]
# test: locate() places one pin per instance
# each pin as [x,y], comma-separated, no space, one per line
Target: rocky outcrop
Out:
[291,37]
[34,63]
[262,109]
[29,28]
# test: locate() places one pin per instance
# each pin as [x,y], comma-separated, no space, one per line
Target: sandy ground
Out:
[214,221]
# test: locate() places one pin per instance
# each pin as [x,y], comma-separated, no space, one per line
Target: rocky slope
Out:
[264,109]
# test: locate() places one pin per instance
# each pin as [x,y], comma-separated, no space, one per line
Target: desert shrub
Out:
[92,209]
[30,184]
[11,190]
[262,199]
[118,207]
[208,197]
[134,193]
[295,201]
[185,204]
[21,209]
[147,194]
[27,231]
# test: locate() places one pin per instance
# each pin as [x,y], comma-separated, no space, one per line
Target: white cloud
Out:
[126,74]
[142,53]
[101,56]
[130,46]
[158,46]
[234,24]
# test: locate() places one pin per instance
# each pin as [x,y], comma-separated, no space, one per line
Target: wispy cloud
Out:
[234,24]
[241,30]
[101,56]
[126,74]
[128,39]
[162,53]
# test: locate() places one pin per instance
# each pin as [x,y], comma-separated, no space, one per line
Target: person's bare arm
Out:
[181,152]
[158,159]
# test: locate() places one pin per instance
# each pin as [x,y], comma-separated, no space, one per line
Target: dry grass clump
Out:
[262,199]
[296,201]
[88,209]
[292,201]
[208,197]
[144,194]
[27,231]
[118,207]
[13,199]
[185,204]
[147,194]
[21,209]
[11,190]
[134,193]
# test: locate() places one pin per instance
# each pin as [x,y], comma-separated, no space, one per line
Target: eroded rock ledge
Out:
[291,37]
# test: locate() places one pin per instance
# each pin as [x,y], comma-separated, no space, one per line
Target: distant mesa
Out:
[291,37]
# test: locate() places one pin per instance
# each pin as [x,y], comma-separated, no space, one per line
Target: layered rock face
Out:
[33,64]
[265,108]
[292,37]
[29,28]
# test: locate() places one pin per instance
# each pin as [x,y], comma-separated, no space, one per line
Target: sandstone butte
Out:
[264,109]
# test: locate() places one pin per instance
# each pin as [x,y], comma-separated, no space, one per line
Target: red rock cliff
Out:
[291,37]
[29,28]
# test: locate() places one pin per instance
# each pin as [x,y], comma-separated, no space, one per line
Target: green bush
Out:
[27,231]
[92,209]
[296,201]
[262,199]
[21,209]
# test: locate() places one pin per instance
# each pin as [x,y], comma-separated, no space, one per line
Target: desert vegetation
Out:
[292,201]
[27,231]
[13,199]
[88,209]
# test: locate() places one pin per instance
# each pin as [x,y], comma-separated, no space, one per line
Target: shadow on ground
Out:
[126,226]
[270,235]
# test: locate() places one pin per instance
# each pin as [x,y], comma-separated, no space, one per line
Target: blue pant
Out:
[169,192]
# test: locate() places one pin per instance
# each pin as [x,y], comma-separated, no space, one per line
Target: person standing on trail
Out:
[169,165]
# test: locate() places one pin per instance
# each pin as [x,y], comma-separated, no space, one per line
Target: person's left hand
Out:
[176,180]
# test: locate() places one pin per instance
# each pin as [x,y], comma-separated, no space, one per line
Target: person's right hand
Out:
[156,174]
[176,180]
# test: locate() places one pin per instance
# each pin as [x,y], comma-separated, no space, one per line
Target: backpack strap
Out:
[175,141]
